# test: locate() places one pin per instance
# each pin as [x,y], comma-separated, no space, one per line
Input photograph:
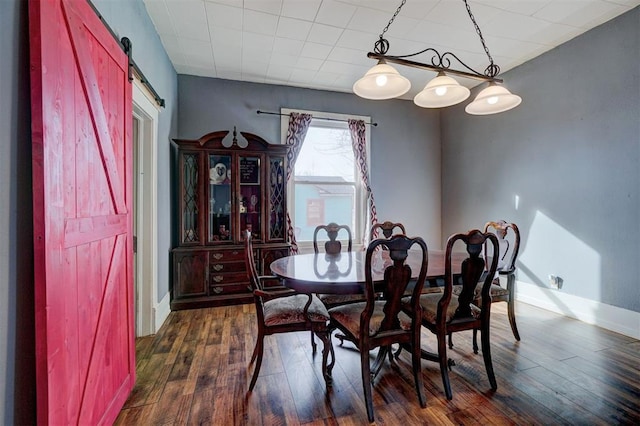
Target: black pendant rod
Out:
[406,62]
[319,118]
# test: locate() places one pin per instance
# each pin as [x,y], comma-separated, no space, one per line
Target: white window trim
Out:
[362,212]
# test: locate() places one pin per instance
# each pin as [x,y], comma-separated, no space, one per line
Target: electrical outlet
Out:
[555,282]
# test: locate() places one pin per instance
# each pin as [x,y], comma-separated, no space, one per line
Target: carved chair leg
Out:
[475,341]
[258,350]
[511,308]
[444,365]
[327,348]
[486,354]
[313,343]
[417,372]
[255,351]
[330,365]
[512,319]
[333,356]
[366,383]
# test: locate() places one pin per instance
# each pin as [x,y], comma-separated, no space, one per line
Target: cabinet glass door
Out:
[190,232]
[250,196]
[220,191]
[277,183]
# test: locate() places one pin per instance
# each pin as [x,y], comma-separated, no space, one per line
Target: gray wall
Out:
[570,154]
[405,146]
[127,18]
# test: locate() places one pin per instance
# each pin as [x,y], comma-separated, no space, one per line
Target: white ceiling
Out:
[323,44]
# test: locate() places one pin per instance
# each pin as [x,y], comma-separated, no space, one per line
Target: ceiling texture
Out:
[323,44]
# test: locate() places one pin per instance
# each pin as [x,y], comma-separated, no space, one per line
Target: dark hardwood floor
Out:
[194,371]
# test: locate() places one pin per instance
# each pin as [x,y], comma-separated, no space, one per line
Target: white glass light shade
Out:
[492,100]
[381,82]
[442,91]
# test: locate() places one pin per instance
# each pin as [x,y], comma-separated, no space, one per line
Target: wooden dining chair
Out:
[379,323]
[282,310]
[446,312]
[507,268]
[509,247]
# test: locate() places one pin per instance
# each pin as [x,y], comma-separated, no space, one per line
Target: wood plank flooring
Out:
[195,371]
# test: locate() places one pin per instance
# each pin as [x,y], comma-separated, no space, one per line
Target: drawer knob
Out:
[217,290]
[218,256]
[218,278]
[218,267]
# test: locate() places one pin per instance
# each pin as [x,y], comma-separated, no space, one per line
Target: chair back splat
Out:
[471,270]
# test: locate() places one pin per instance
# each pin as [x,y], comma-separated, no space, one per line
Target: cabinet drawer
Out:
[216,268]
[219,256]
[230,278]
[230,288]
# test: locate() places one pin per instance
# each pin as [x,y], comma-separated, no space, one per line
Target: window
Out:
[326,185]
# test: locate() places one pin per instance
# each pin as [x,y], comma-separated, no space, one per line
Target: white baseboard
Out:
[161,311]
[610,317]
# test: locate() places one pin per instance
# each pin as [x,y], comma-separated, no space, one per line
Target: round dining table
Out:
[344,273]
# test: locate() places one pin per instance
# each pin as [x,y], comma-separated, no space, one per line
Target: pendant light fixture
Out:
[442,91]
[492,100]
[385,82]
[382,82]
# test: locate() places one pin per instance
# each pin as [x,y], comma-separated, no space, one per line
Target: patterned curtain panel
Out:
[359,143]
[298,126]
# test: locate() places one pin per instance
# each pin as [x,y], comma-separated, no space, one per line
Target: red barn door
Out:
[82,171]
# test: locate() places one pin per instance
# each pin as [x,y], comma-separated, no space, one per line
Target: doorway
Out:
[145,121]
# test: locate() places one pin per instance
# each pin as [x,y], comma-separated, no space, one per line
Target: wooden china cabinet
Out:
[223,189]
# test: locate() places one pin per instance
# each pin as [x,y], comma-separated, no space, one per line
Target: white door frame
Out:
[146,282]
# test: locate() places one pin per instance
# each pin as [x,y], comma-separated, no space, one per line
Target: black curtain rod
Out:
[319,118]
[125,43]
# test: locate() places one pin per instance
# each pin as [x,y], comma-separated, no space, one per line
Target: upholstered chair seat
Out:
[349,317]
[290,310]
[429,304]
[496,289]
[332,300]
